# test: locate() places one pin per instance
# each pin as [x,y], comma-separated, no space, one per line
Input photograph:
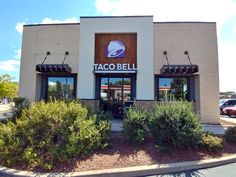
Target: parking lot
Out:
[226,120]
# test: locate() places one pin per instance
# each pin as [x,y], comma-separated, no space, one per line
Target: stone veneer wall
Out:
[91,104]
[145,104]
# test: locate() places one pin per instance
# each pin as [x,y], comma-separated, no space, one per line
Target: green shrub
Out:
[175,125]
[135,126]
[104,128]
[230,134]
[211,142]
[47,133]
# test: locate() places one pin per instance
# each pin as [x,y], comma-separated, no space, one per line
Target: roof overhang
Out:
[53,68]
[179,69]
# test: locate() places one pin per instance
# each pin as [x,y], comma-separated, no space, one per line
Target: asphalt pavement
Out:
[228,170]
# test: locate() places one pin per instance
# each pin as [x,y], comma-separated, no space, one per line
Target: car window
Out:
[222,101]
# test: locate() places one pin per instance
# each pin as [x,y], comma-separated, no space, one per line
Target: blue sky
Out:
[15,13]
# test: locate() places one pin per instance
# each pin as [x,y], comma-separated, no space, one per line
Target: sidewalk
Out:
[216,129]
[4,108]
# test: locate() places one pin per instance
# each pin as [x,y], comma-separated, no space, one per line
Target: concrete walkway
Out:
[216,129]
[4,110]
[221,128]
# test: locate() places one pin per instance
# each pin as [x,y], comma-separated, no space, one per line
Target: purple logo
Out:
[115,49]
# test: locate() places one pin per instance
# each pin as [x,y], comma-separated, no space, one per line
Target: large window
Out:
[61,87]
[174,88]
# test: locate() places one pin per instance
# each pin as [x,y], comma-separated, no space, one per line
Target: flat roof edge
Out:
[51,24]
[173,22]
[132,16]
[184,22]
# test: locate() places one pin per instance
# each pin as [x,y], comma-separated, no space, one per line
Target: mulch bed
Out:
[121,154]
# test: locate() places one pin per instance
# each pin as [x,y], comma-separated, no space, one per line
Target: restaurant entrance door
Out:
[115,93]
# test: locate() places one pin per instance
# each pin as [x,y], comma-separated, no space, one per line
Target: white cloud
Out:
[104,6]
[234,29]
[18,53]
[9,65]
[227,65]
[171,10]
[19,27]
[219,11]
[48,20]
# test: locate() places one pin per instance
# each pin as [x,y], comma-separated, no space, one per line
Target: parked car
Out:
[230,111]
[226,103]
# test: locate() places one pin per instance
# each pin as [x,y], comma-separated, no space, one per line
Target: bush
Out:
[47,133]
[135,126]
[175,125]
[230,134]
[211,142]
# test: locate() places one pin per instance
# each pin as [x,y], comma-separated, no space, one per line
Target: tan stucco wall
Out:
[143,26]
[39,39]
[200,40]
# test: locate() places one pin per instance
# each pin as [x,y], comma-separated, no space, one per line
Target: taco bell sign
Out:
[115,49]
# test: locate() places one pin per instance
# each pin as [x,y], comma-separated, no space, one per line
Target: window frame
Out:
[44,84]
[190,85]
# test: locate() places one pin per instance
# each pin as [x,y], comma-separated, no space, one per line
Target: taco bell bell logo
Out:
[115,49]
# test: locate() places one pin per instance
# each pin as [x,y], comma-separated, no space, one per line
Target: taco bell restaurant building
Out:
[126,60]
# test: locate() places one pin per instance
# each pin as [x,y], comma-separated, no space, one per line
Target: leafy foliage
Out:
[8,88]
[211,142]
[135,126]
[47,133]
[230,134]
[175,125]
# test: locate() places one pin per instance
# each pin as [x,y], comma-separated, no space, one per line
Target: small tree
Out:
[8,88]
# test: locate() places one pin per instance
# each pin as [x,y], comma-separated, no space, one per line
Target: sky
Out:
[16,13]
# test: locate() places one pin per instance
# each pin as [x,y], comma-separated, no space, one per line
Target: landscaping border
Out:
[129,171]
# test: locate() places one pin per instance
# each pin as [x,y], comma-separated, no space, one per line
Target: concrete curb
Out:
[130,171]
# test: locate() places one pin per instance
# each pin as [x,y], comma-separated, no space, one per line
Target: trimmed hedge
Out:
[47,133]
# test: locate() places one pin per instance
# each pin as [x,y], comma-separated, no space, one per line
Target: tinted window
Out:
[173,89]
[61,87]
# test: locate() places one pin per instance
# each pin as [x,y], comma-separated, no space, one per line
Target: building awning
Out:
[179,69]
[53,68]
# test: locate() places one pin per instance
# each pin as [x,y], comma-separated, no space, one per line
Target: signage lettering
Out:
[115,67]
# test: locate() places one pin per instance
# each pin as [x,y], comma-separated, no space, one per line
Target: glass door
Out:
[115,89]
[114,93]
